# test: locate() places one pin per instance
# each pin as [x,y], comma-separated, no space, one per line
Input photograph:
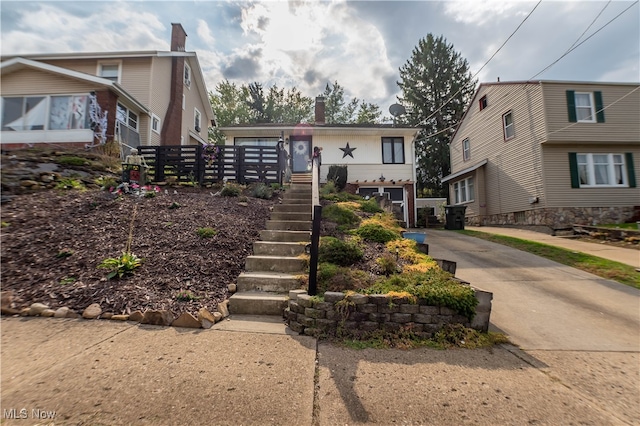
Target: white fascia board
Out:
[464,171]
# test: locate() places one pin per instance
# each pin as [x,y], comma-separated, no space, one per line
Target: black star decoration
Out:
[347,151]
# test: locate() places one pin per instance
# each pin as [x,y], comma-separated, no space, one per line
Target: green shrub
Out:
[206,232]
[186,296]
[69,183]
[340,215]
[388,264]
[121,266]
[106,182]
[343,253]
[231,190]
[338,175]
[377,233]
[370,206]
[72,161]
[435,287]
[262,191]
[332,277]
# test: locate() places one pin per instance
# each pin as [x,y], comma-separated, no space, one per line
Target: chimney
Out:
[178,38]
[320,119]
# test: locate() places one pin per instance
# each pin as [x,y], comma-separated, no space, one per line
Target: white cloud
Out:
[205,34]
[480,12]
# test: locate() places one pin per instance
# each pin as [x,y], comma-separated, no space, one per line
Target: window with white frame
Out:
[602,170]
[197,119]
[187,75]
[60,112]
[507,123]
[155,123]
[466,149]
[110,71]
[584,107]
[463,191]
[125,116]
[393,150]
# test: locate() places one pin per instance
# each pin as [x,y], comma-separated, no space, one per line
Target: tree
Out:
[229,104]
[337,110]
[369,113]
[436,86]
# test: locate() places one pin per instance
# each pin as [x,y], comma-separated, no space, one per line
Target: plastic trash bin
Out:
[454,217]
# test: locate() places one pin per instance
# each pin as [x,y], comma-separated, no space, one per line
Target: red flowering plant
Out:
[210,153]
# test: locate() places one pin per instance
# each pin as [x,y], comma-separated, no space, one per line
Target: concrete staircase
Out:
[262,289]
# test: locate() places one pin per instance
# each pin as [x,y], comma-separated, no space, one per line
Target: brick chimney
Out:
[320,118]
[172,122]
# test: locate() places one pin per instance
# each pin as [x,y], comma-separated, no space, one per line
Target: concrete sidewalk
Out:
[627,256]
[71,372]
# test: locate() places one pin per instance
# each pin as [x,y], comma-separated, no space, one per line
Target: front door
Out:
[300,154]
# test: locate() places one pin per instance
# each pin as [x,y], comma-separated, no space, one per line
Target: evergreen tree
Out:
[337,109]
[436,87]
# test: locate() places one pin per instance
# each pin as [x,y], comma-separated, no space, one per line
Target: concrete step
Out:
[303,185]
[288,225]
[289,216]
[276,282]
[258,303]
[285,236]
[292,208]
[278,248]
[297,201]
[275,264]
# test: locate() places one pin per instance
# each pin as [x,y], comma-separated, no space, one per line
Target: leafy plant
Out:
[67,160]
[186,296]
[69,183]
[343,253]
[388,264]
[231,190]
[121,266]
[64,253]
[338,175]
[332,277]
[149,194]
[5,224]
[262,191]
[67,280]
[174,205]
[206,232]
[106,182]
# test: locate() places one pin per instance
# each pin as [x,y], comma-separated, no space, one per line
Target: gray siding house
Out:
[548,154]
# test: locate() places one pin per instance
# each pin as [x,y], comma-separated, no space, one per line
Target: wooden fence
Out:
[242,164]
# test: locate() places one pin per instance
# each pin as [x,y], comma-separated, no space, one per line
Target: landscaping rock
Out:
[157,318]
[206,318]
[217,316]
[61,312]
[186,320]
[223,308]
[92,311]
[232,288]
[24,312]
[37,308]
[72,314]
[120,317]
[9,311]
[106,315]
[47,313]
[6,299]
[136,316]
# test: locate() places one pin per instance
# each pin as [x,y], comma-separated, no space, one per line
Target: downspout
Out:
[414,176]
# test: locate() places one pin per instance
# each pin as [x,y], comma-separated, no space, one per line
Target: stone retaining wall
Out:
[307,315]
[556,218]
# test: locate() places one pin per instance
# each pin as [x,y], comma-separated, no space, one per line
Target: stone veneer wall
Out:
[308,316]
[557,218]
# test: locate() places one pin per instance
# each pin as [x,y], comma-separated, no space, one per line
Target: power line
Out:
[592,22]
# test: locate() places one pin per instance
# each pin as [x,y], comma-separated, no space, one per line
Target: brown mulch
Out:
[53,242]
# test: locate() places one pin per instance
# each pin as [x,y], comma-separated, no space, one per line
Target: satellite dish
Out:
[397,110]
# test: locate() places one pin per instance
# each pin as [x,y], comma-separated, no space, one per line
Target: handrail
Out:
[315,184]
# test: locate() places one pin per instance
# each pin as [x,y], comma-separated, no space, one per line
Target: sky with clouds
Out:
[361,44]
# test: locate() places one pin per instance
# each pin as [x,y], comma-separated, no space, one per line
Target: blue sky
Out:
[361,44]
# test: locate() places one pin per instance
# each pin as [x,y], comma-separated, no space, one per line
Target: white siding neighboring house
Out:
[49,98]
[379,157]
[548,154]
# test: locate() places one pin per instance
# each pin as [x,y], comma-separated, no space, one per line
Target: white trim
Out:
[48,136]
[463,171]
[101,65]
[197,137]
[187,79]
[155,117]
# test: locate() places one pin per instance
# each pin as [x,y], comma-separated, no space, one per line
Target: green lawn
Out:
[604,268]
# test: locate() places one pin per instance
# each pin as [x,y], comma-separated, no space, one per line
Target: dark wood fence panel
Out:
[242,164]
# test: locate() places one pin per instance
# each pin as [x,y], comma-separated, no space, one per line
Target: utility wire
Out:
[583,41]
[592,22]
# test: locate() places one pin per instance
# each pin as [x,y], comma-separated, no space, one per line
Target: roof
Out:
[464,171]
[19,63]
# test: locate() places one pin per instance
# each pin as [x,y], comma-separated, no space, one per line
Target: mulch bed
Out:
[53,242]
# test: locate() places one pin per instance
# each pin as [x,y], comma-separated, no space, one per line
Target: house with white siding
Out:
[548,154]
[136,98]
[380,158]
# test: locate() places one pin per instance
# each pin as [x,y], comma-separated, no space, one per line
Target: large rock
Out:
[37,308]
[157,318]
[92,311]
[123,317]
[206,318]
[6,299]
[186,320]
[136,316]
[61,312]
[223,308]
[47,313]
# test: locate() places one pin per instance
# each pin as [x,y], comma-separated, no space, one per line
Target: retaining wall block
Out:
[293,294]
[415,327]
[408,308]
[350,325]
[480,321]
[422,318]
[291,316]
[378,299]
[358,316]
[378,317]
[401,318]
[368,308]
[447,311]
[314,313]
[307,322]
[369,325]
[358,299]
[443,319]
[484,300]
[296,326]
[429,310]
[333,315]
[295,307]
[431,328]
[386,309]
[312,331]
[391,326]
[326,324]
[325,306]
[304,300]
[333,296]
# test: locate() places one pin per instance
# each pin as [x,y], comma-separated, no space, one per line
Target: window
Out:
[187,75]
[585,107]
[109,71]
[393,150]
[196,119]
[126,116]
[466,149]
[257,141]
[483,102]
[45,113]
[601,170]
[463,191]
[507,123]
[155,123]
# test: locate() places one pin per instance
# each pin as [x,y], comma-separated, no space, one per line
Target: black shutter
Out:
[571,106]
[631,174]
[573,170]
[599,107]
